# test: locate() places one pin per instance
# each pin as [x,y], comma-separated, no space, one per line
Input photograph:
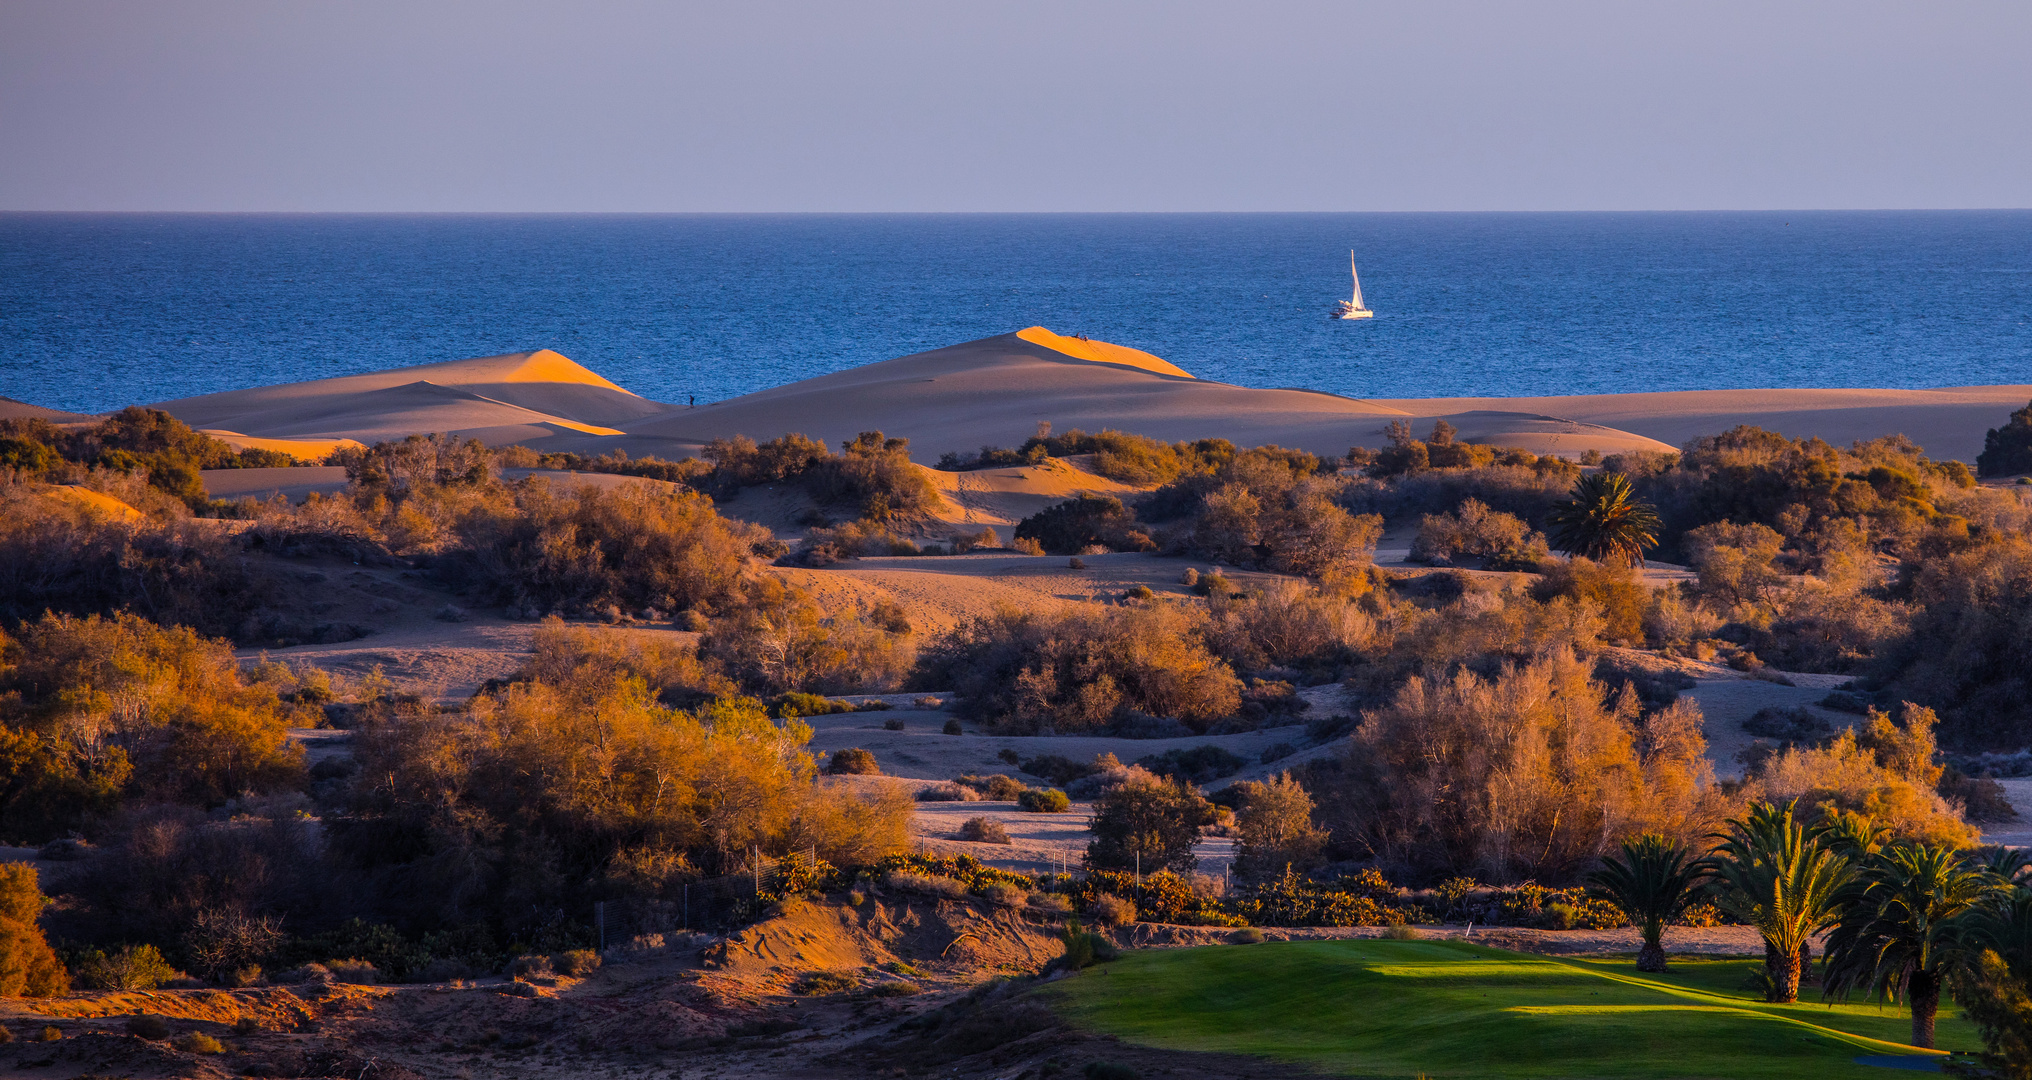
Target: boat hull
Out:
[1360,313]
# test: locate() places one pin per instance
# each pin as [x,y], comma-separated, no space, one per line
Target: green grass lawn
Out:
[1449,1009]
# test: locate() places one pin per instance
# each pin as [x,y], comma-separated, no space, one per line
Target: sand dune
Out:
[537,390]
[305,450]
[1948,422]
[997,391]
[11,409]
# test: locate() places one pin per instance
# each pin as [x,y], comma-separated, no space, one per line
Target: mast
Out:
[1358,280]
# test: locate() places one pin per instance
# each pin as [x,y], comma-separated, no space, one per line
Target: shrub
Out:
[1006,894]
[148,1026]
[1401,932]
[1501,540]
[1147,822]
[795,704]
[952,727]
[576,963]
[1276,830]
[817,983]
[892,724]
[1044,801]
[909,881]
[1077,670]
[1107,910]
[49,1034]
[197,1042]
[982,830]
[246,1025]
[853,761]
[1247,935]
[1087,521]
[133,967]
[355,971]
[947,791]
[901,988]
[1197,764]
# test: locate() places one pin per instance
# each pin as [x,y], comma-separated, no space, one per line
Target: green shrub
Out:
[134,967]
[853,761]
[1044,801]
[1247,935]
[795,704]
[1073,526]
[820,983]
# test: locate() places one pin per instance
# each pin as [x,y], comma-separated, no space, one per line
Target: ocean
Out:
[104,310]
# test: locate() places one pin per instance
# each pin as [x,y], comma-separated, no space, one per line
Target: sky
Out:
[1090,105]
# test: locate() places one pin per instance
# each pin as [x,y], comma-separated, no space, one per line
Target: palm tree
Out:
[1652,882]
[1898,937]
[1604,520]
[1783,881]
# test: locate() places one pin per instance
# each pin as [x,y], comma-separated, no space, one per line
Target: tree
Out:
[1147,824]
[1992,985]
[28,968]
[1604,520]
[1896,937]
[2008,449]
[1652,880]
[1276,826]
[1782,880]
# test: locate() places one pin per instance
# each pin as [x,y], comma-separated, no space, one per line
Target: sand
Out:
[998,390]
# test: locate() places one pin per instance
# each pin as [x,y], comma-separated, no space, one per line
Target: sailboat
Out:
[1352,309]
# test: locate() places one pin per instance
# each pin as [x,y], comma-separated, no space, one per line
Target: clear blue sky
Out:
[779,105]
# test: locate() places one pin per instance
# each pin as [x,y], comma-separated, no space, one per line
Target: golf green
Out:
[1450,1009]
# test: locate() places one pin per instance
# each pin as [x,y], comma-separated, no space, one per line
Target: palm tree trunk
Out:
[1783,968]
[1651,957]
[1924,991]
[1806,961]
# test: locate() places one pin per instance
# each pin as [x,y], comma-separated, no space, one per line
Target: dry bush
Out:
[57,555]
[1081,669]
[575,963]
[1147,823]
[853,761]
[1107,910]
[1533,772]
[908,881]
[632,546]
[1290,624]
[564,654]
[1964,653]
[356,971]
[1612,588]
[1500,540]
[100,710]
[594,779]
[947,791]
[1886,771]
[980,830]
[1082,523]
[132,967]
[1734,561]
[787,641]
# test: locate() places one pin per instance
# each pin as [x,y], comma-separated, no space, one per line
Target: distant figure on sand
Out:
[694,401]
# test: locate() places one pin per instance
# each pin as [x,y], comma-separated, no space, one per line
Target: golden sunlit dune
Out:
[95,501]
[300,449]
[1101,352]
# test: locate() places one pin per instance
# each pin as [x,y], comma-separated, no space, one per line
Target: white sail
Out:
[1359,306]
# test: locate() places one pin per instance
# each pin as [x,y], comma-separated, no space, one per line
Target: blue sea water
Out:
[103,310]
